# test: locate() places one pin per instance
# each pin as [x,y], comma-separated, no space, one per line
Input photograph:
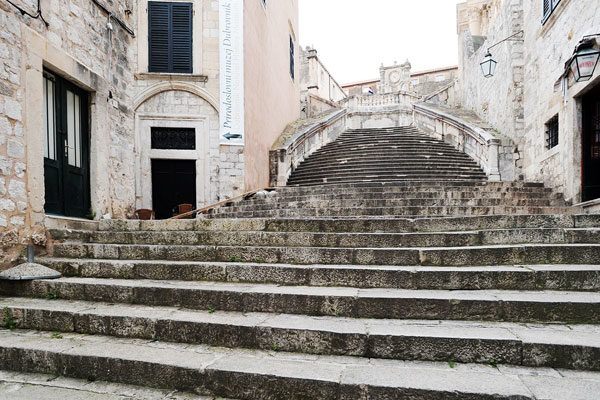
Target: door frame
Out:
[61,86]
[145,154]
[585,133]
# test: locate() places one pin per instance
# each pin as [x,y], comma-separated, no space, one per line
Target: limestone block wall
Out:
[186,100]
[78,46]
[527,89]
[549,46]
[499,99]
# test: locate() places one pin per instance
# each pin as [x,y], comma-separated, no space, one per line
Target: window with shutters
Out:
[292,66]
[548,7]
[170,37]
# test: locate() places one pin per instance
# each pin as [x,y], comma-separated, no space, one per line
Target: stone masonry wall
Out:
[549,46]
[78,46]
[499,99]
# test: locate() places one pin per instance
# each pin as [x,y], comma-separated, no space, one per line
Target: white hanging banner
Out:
[231,49]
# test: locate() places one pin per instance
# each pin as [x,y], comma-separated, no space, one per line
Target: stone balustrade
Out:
[303,141]
[494,153]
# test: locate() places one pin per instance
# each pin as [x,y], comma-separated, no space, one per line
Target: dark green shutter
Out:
[170,37]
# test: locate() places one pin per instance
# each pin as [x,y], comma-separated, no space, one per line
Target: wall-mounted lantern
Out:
[584,60]
[488,65]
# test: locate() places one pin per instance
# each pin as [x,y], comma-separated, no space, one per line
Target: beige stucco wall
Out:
[78,46]
[272,98]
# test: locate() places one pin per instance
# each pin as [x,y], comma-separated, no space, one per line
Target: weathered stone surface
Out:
[264,375]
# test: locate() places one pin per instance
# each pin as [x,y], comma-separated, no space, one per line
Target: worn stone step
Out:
[372,179]
[397,146]
[527,277]
[394,211]
[342,170]
[401,185]
[367,225]
[430,256]
[28,386]
[398,202]
[276,200]
[536,345]
[377,163]
[344,240]
[487,305]
[273,375]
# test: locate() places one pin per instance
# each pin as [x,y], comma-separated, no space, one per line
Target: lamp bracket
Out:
[511,38]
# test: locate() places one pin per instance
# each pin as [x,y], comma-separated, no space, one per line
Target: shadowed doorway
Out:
[591,145]
[173,183]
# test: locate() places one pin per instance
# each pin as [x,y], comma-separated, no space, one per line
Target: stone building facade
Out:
[530,98]
[319,90]
[422,83]
[78,104]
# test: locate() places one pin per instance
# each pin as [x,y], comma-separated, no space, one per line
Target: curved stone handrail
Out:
[476,142]
[283,158]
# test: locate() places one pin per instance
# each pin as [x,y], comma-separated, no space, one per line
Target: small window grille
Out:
[173,138]
[548,7]
[552,133]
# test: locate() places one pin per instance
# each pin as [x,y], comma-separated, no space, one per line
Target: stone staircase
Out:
[439,290]
[385,155]
[399,199]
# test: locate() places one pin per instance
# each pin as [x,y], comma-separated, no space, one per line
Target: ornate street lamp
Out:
[584,60]
[488,65]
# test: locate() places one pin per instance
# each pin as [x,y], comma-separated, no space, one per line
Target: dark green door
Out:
[66,148]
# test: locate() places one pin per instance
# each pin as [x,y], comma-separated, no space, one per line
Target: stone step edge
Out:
[267,375]
[533,345]
[475,305]
[525,277]
[406,224]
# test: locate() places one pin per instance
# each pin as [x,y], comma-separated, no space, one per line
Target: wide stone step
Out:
[402,185]
[391,170]
[275,199]
[371,225]
[536,345]
[377,163]
[273,375]
[407,191]
[398,202]
[527,277]
[30,385]
[395,211]
[389,162]
[442,198]
[344,240]
[433,256]
[374,152]
[487,305]
[382,179]
[383,144]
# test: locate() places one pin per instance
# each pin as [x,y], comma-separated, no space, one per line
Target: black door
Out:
[66,148]
[173,183]
[591,145]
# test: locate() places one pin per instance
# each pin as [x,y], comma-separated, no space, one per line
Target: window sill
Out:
[160,76]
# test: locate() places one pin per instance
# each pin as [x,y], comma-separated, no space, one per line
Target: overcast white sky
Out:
[353,37]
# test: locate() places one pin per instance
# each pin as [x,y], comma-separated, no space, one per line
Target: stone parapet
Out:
[497,155]
[301,142]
